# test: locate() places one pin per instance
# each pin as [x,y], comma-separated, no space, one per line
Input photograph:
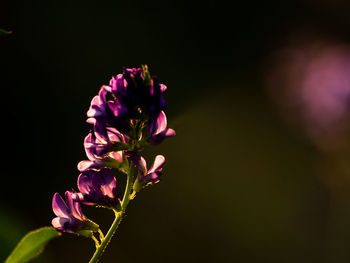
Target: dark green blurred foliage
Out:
[12,229]
[239,185]
[4,32]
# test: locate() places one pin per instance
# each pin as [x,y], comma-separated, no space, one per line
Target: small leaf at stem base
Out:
[32,244]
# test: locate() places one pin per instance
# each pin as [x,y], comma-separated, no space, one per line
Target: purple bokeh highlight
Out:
[311,84]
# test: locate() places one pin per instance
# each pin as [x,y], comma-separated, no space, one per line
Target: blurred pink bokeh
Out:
[310,82]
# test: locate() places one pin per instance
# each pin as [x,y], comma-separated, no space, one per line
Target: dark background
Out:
[239,185]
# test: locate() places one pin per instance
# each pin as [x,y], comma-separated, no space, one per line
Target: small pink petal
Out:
[163,88]
[59,207]
[170,133]
[84,165]
[158,164]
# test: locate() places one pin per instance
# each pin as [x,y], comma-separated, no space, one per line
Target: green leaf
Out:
[4,32]
[32,245]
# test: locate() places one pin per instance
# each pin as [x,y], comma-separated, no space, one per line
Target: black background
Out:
[239,185]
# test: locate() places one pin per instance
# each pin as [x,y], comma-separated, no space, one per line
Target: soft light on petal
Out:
[158,164]
[59,207]
[84,165]
[74,206]
[161,122]
[163,88]
[59,222]
[170,133]
[140,164]
[105,182]
[85,182]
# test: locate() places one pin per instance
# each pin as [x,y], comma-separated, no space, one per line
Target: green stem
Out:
[118,216]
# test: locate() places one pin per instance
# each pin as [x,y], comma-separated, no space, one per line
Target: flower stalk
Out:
[118,215]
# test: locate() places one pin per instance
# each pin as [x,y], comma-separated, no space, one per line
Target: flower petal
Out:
[88,144]
[157,164]
[59,222]
[153,177]
[140,164]
[170,133]
[158,138]
[117,156]
[105,181]
[163,88]
[59,207]
[94,107]
[74,206]
[85,182]
[114,135]
[68,225]
[161,122]
[84,165]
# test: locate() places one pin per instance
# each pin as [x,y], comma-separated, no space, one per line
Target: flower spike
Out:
[127,115]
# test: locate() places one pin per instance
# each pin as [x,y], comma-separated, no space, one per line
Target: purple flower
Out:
[103,113]
[147,176]
[97,188]
[157,129]
[69,216]
[99,149]
[135,97]
[138,92]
